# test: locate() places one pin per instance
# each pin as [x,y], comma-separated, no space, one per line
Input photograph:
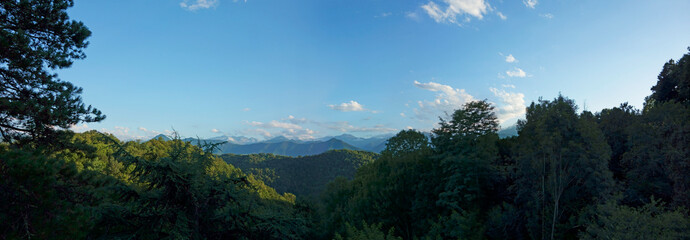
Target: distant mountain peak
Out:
[161,137]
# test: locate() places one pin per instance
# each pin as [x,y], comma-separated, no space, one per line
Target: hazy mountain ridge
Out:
[287,148]
[290,147]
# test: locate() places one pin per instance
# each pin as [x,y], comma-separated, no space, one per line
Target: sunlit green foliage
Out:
[144,190]
[47,198]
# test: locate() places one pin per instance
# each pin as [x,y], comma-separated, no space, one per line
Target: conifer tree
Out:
[36,38]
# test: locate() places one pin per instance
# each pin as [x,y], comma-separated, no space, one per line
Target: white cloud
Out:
[510,58]
[303,134]
[352,106]
[79,128]
[289,129]
[275,124]
[147,133]
[198,4]
[306,129]
[246,109]
[546,15]
[256,131]
[345,126]
[402,114]
[513,105]
[383,15]
[530,3]
[516,73]
[124,133]
[412,15]
[507,85]
[500,14]
[215,131]
[454,8]
[295,120]
[447,100]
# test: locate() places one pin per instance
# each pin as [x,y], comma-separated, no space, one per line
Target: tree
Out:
[658,161]
[47,198]
[616,124]
[651,221]
[37,37]
[561,167]
[406,142]
[466,146]
[474,119]
[673,82]
[368,232]
[394,191]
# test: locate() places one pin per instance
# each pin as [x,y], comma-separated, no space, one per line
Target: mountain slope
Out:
[372,144]
[508,132]
[304,176]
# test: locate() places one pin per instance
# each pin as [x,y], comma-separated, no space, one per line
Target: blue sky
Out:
[307,69]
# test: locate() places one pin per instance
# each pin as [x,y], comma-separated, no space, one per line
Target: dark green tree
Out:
[658,161]
[388,191]
[673,82]
[368,232]
[466,147]
[561,167]
[406,142]
[651,221]
[36,38]
[615,123]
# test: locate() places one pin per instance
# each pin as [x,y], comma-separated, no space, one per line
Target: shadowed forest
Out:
[621,173]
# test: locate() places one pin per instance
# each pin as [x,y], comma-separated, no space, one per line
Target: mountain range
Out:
[294,147]
[291,147]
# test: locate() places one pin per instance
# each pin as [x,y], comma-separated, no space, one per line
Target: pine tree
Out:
[36,38]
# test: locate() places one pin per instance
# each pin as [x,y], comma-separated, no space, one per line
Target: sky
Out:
[314,68]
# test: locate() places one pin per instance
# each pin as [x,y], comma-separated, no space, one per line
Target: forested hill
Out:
[304,176]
